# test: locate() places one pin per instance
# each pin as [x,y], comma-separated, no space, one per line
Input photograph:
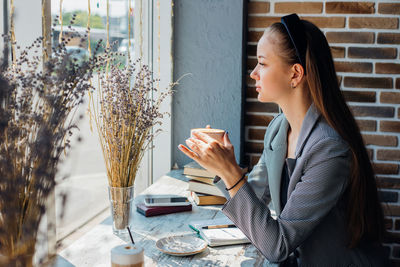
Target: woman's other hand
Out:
[214,156]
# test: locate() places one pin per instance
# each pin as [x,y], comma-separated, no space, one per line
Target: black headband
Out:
[295,29]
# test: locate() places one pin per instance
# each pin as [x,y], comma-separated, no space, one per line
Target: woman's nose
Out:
[254,74]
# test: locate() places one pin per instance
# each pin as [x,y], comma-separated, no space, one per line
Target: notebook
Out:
[220,236]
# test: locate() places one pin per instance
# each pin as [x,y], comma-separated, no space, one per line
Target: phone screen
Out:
[166,200]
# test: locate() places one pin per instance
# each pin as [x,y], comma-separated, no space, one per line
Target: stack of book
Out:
[201,186]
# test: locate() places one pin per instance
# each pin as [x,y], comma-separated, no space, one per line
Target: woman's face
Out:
[271,74]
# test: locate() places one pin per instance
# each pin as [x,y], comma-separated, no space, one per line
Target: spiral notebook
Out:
[220,236]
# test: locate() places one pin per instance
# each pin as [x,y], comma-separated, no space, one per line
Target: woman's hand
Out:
[214,156]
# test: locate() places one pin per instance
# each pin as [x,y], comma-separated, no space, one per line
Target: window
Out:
[87,183]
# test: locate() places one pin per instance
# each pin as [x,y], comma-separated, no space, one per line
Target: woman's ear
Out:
[297,74]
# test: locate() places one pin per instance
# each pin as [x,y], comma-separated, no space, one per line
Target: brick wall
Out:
[365,41]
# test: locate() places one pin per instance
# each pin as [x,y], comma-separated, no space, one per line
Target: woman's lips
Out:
[258,89]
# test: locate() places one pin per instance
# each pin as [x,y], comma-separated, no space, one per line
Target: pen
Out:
[219,226]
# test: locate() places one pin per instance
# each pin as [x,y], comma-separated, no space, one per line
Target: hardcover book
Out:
[204,188]
[159,210]
[204,199]
[193,168]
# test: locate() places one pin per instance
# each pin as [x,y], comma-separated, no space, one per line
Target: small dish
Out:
[181,245]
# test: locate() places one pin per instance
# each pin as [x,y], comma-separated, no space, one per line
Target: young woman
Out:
[314,170]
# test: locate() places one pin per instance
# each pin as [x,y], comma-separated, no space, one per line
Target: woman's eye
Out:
[262,64]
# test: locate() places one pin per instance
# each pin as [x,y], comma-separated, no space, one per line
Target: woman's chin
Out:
[263,99]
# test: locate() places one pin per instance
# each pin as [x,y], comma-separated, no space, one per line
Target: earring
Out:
[293,85]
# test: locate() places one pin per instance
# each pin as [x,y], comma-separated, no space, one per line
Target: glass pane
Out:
[86,185]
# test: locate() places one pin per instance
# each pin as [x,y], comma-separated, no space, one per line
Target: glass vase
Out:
[121,204]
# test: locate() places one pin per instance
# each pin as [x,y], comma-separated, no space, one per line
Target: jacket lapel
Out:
[309,121]
[276,154]
[307,126]
[277,150]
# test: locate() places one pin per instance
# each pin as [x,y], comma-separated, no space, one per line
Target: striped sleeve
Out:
[257,179]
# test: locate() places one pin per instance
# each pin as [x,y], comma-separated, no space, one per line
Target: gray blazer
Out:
[312,224]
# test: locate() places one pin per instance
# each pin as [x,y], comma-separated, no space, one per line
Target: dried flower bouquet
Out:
[125,114]
[37,106]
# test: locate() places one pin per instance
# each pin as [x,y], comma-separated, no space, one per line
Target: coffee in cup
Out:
[127,256]
[217,134]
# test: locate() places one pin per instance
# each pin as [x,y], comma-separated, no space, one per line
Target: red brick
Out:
[389,183]
[254,36]
[372,52]
[261,107]
[256,134]
[373,22]
[385,168]
[258,7]
[380,140]
[327,22]
[299,7]
[397,83]
[321,22]
[389,8]
[390,97]
[397,225]
[254,160]
[337,52]
[366,125]
[252,147]
[372,111]
[359,96]
[363,67]
[368,82]
[388,154]
[389,68]
[388,38]
[261,22]
[257,120]
[391,210]
[389,126]
[350,37]
[350,7]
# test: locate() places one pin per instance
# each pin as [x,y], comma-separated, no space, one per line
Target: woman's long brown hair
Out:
[364,211]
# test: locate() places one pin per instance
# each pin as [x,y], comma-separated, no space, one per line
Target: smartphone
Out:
[166,201]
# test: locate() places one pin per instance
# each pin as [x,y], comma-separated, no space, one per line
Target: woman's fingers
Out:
[195,145]
[203,137]
[187,151]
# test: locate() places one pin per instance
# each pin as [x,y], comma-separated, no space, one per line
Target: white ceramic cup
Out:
[217,134]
